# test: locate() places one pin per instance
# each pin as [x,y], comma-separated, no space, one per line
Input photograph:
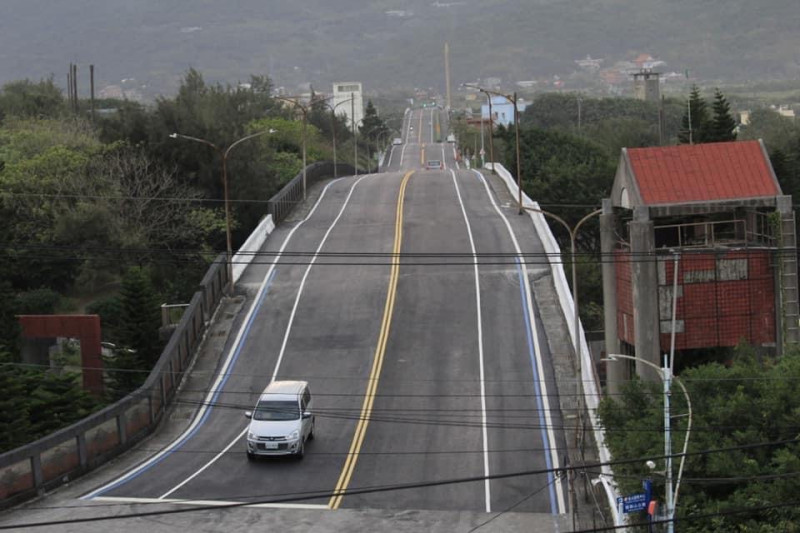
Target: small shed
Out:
[713,214]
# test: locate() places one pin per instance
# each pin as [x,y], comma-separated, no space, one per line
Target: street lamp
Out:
[305,109]
[513,99]
[333,129]
[665,373]
[491,125]
[224,156]
[573,231]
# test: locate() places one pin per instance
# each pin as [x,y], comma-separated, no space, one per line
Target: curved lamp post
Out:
[665,373]
[305,109]
[491,123]
[513,99]
[223,153]
[333,127]
[573,231]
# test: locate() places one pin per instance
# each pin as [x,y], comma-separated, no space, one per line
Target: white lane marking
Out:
[403,154]
[285,337]
[202,469]
[431,123]
[444,159]
[391,153]
[214,503]
[484,430]
[543,384]
[207,402]
[305,277]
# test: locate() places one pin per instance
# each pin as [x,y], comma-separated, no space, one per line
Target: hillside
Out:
[388,43]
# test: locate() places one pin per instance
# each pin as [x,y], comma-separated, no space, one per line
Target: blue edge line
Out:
[126,479]
[537,390]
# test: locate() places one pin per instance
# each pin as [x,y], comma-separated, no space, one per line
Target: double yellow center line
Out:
[377,362]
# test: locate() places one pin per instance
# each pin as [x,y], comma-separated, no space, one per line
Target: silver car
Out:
[282,420]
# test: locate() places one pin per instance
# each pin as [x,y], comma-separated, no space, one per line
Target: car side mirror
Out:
[248,414]
[307,414]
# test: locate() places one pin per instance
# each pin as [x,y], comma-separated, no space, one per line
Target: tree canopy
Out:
[749,408]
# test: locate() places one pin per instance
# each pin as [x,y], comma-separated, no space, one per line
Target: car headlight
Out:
[293,435]
[251,435]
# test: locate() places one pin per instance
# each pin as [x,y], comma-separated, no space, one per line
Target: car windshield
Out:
[276,411]
[434,164]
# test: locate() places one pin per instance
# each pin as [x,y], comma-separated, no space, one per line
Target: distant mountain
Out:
[391,43]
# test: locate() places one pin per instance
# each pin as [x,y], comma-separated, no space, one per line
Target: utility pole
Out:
[353,125]
[447,72]
[91,83]
[75,87]
[69,86]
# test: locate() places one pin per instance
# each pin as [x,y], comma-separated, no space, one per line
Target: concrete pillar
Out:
[615,371]
[786,296]
[644,281]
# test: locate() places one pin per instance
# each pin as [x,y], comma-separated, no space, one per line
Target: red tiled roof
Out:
[702,172]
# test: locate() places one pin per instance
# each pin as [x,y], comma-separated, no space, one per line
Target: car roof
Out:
[287,388]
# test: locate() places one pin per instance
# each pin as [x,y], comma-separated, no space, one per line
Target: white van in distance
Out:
[282,420]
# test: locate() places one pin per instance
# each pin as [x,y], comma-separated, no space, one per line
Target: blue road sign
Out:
[633,503]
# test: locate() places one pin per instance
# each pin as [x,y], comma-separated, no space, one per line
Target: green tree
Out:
[9,325]
[722,127]
[28,99]
[55,400]
[372,127]
[610,122]
[733,406]
[558,168]
[694,125]
[125,373]
[15,425]
[141,316]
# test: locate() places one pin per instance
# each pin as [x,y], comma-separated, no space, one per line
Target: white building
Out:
[502,110]
[342,92]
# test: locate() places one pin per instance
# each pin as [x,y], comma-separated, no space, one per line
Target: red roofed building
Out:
[716,211]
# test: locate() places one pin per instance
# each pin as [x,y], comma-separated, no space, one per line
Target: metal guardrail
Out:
[44,464]
[280,205]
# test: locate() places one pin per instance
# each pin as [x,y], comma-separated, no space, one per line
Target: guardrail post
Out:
[36,470]
[163,393]
[83,455]
[150,408]
[122,430]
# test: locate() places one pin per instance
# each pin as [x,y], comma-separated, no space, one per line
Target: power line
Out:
[314,495]
[310,377]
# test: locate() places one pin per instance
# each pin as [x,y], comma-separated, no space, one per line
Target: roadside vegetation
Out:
[750,409]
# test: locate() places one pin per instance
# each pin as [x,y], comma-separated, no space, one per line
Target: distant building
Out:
[646,86]
[646,61]
[785,111]
[744,117]
[344,91]
[502,110]
[592,65]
